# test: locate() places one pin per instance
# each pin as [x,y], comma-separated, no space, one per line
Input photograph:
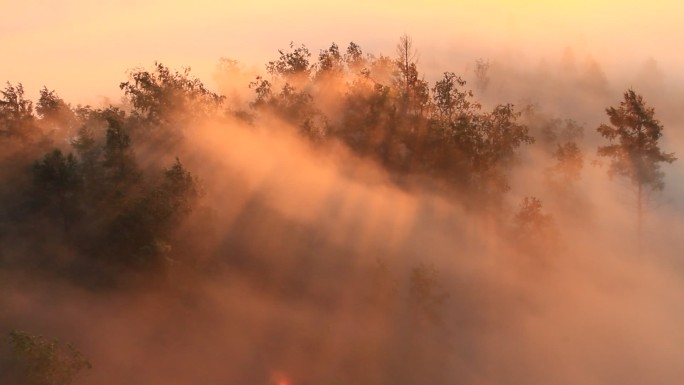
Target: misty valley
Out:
[340,217]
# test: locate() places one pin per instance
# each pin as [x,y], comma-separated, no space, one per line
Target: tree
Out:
[354,58]
[568,164]
[46,362]
[534,231]
[531,222]
[292,65]
[169,99]
[406,57]
[16,113]
[413,90]
[496,137]
[633,134]
[481,74]
[450,102]
[119,163]
[143,231]
[53,111]
[330,62]
[58,178]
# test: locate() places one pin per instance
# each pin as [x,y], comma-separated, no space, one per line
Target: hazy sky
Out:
[83,48]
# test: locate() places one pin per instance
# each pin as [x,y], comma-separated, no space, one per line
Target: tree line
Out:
[109,184]
[380,107]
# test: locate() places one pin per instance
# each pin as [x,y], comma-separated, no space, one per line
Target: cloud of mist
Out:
[316,227]
[312,253]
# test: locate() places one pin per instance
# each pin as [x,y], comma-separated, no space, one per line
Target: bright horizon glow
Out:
[83,49]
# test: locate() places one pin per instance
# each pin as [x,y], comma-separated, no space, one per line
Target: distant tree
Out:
[482,74]
[569,163]
[592,78]
[634,151]
[368,116]
[330,62]
[16,113]
[534,229]
[54,112]
[262,89]
[143,231]
[406,62]
[120,168]
[451,102]
[169,99]
[354,58]
[414,91]
[555,131]
[46,362]
[230,78]
[294,106]
[292,65]
[59,182]
[179,191]
[496,137]
[89,153]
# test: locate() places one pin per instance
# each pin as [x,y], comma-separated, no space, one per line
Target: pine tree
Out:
[633,134]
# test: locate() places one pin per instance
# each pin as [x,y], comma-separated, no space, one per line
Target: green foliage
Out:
[569,163]
[293,105]
[46,362]
[118,166]
[16,113]
[413,90]
[163,97]
[452,104]
[532,226]
[496,137]
[143,231]
[634,133]
[53,111]
[58,180]
[330,62]
[57,173]
[556,130]
[292,65]
[354,58]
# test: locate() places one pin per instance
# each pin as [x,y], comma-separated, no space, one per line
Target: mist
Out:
[280,218]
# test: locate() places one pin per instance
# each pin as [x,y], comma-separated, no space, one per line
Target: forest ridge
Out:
[119,197]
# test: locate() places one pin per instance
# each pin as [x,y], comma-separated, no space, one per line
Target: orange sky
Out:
[83,48]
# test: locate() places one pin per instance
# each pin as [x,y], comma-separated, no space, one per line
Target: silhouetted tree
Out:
[354,58]
[169,100]
[330,62]
[452,103]
[496,138]
[119,166]
[292,65]
[569,162]
[54,112]
[534,230]
[634,133]
[59,182]
[413,90]
[16,113]
[482,74]
[406,57]
[143,231]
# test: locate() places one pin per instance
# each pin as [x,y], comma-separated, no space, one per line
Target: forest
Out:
[333,217]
